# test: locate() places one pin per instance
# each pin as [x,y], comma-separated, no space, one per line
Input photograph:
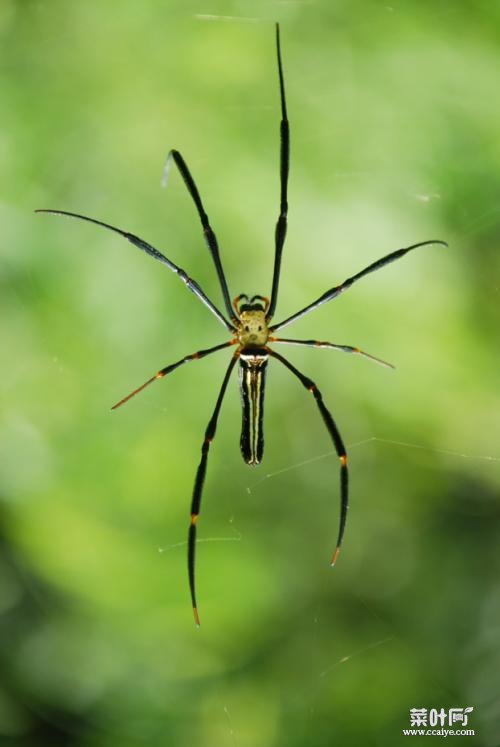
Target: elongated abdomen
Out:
[252,379]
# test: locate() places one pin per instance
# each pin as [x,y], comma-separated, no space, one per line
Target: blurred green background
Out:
[394,114]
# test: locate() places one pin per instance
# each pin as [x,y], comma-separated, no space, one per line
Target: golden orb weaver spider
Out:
[251,332]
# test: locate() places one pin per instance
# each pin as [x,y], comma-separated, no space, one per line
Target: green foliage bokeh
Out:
[394,114]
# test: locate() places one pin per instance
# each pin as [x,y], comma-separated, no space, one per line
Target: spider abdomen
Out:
[252,379]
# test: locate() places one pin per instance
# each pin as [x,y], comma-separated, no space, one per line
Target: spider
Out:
[249,324]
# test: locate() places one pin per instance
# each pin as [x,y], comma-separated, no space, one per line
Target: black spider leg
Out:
[333,346]
[337,441]
[208,233]
[338,289]
[280,232]
[191,284]
[168,369]
[198,486]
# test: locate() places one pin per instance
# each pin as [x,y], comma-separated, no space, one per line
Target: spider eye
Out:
[247,328]
[260,329]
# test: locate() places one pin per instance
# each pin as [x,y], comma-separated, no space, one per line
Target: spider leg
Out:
[198,485]
[191,284]
[338,289]
[281,225]
[337,441]
[208,233]
[237,300]
[333,346]
[168,369]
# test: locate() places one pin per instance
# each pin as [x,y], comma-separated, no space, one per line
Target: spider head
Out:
[252,328]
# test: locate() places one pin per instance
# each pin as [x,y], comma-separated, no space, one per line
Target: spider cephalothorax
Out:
[252,329]
[248,323]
